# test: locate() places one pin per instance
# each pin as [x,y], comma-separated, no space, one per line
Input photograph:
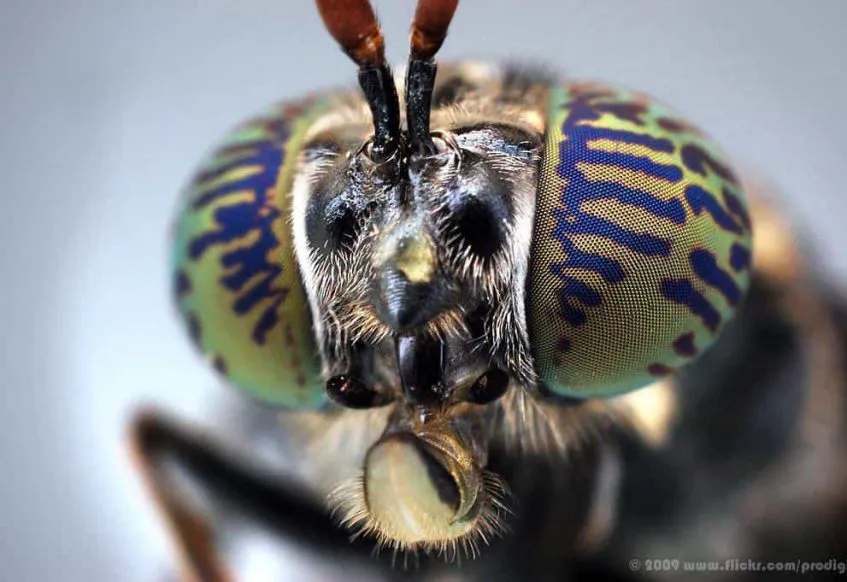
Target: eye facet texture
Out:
[236,279]
[641,245]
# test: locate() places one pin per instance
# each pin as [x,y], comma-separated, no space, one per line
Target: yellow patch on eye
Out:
[235,198]
[658,187]
[234,175]
[630,217]
[249,239]
[632,149]
[240,154]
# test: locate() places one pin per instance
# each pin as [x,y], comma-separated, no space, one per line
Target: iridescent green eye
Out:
[641,247]
[236,278]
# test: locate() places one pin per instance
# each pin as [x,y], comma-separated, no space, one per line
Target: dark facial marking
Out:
[334,213]
[477,222]
[480,208]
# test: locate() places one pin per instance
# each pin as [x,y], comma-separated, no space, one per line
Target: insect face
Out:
[429,242]
[397,258]
[417,264]
[494,237]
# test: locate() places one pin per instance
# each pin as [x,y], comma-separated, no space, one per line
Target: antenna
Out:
[429,29]
[353,25]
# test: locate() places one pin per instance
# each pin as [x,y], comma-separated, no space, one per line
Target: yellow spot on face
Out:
[415,258]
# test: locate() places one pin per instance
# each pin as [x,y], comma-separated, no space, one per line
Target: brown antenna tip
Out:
[429,27]
[353,24]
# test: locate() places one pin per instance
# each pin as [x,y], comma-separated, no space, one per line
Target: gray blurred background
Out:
[105,107]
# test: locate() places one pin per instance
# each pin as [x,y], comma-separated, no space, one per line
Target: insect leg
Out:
[166,450]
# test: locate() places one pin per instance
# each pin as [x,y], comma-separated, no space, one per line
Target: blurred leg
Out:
[167,452]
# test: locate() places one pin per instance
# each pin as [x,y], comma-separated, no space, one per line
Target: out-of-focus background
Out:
[106,106]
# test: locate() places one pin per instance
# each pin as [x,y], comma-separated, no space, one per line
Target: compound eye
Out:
[237,280]
[641,245]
